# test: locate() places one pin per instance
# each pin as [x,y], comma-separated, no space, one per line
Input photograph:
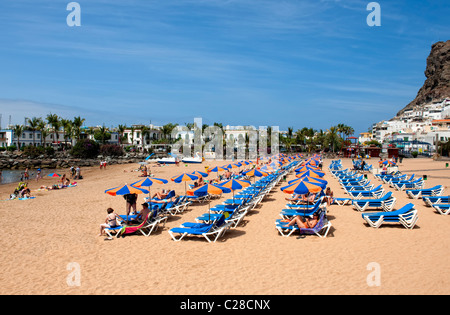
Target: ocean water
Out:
[15,176]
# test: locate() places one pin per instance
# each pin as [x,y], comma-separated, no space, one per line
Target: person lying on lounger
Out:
[295,197]
[161,195]
[305,223]
[165,200]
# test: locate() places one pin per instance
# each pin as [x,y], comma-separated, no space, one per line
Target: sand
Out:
[44,238]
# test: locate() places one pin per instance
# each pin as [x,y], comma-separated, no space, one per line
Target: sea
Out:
[15,176]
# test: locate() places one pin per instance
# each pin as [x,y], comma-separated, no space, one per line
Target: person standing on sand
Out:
[131,203]
[38,174]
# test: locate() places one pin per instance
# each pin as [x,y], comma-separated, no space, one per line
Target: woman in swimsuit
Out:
[110,222]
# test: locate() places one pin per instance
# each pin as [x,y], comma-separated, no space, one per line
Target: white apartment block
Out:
[426,123]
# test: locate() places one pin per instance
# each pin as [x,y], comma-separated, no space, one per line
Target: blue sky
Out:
[238,62]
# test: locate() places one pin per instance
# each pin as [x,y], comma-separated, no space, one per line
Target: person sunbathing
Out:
[164,200]
[161,195]
[25,193]
[305,223]
[295,197]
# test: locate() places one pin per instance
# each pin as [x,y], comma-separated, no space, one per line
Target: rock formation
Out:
[437,84]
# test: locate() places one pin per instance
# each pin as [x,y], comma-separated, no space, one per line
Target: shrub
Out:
[49,150]
[11,148]
[85,148]
[414,154]
[32,151]
[111,150]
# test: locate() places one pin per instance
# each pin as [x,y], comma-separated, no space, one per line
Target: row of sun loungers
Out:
[292,210]
[365,197]
[157,217]
[214,224]
[407,216]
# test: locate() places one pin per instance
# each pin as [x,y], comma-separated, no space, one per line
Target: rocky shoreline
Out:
[17,161]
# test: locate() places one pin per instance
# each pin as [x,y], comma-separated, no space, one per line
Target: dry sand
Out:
[42,237]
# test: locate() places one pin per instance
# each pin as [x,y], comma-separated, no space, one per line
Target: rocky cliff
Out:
[437,84]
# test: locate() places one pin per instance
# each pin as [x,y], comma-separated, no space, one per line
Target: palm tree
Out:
[167,130]
[77,123]
[121,130]
[34,124]
[67,129]
[145,133]
[102,134]
[348,131]
[43,129]
[18,131]
[290,132]
[332,138]
[340,129]
[53,120]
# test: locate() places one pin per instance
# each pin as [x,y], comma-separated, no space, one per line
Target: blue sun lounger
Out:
[323,225]
[376,192]
[417,193]
[415,184]
[210,231]
[407,216]
[430,200]
[387,203]
[442,208]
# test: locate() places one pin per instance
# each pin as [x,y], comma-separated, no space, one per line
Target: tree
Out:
[167,130]
[77,123]
[332,138]
[102,134]
[67,129]
[121,130]
[43,129]
[53,120]
[18,131]
[34,125]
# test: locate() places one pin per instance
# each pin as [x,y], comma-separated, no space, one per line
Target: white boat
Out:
[197,159]
[167,160]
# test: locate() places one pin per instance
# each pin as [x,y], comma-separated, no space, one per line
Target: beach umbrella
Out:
[255,172]
[235,184]
[302,188]
[229,166]
[54,175]
[311,173]
[125,190]
[314,180]
[207,189]
[185,177]
[217,169]
[200,174]
[147,182]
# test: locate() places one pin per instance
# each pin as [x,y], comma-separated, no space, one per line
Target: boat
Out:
[168,160]
[197,159]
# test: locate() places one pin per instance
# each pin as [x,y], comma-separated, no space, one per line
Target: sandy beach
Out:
[43,237]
